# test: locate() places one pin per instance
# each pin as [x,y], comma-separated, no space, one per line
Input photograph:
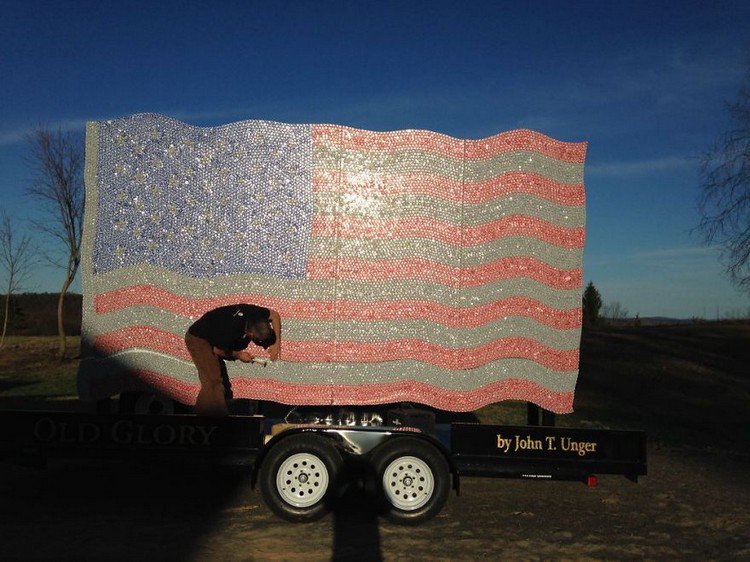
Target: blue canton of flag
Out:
[204,202]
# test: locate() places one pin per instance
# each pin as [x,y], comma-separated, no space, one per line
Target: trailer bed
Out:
[476,449]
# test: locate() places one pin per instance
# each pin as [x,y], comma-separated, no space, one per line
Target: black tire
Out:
[412,478]
[298,477]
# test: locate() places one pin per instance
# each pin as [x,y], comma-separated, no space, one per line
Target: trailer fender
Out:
[275,440]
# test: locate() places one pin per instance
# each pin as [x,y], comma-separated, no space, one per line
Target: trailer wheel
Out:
[414,480]
[298,477]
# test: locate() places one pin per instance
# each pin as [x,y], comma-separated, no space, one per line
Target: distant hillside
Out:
[646,321]
[35,314]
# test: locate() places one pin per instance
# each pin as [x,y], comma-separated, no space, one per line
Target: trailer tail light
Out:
[591,481]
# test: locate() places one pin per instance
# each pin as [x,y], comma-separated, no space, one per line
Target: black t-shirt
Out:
[224,327]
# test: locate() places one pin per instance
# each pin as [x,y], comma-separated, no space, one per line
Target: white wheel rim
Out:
[408,483]
[302,480]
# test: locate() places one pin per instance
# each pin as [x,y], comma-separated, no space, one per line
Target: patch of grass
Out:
[684,384]
[503,413]
[29,367]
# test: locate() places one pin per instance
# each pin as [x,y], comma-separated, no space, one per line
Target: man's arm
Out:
[275,349]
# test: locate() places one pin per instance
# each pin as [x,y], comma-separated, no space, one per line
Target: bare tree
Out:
[57,160]
[16,260]
[614,311]
[725,191]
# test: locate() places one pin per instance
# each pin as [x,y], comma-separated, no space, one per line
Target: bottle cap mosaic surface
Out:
[406,266]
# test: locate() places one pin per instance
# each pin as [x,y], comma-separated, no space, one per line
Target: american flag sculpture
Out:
[406,266]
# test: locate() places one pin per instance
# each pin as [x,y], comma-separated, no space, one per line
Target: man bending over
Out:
[223,334]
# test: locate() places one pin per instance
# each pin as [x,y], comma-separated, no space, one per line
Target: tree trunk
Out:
[5,318]
[60,325]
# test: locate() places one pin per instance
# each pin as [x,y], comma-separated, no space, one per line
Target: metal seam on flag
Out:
[91,184]
[462,253]
[338,263]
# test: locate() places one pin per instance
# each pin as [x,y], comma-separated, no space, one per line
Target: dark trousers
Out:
[212,373]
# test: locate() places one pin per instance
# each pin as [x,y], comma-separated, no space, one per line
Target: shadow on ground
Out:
[12,384]
[110,511]
[167,510]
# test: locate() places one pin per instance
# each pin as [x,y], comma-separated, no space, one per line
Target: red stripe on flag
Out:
[154,339]
[352,269]
[345,310]
[503,143]
[526,140]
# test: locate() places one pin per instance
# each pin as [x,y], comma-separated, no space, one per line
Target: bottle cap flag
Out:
[406,266]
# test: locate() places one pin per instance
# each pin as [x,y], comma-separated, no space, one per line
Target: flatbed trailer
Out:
[300,466]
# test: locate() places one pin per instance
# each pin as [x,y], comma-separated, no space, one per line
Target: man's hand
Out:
[273,351]
[244,356]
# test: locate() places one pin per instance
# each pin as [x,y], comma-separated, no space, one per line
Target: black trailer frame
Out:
[541,452]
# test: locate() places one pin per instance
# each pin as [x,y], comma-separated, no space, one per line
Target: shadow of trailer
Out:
[301,468]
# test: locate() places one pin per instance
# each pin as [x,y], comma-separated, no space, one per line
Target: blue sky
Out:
[644,83]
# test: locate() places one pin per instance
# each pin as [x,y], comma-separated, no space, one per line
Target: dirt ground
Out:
[692,505]
[689,389]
